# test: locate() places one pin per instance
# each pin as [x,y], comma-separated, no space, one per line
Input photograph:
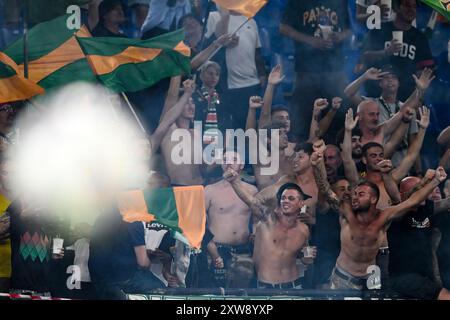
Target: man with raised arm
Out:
[363,228]
[184,173]
[279,238]
[229,220]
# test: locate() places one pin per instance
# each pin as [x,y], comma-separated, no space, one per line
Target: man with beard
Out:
[356,147]
[363,228]
[388,78]
[333,162]
[410,243]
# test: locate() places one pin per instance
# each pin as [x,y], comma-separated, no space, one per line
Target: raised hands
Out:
[319,146]
[276,75]
[255,102]
[350,123]
[424,117]
[316,158]
[385,166]
[320,105]
[423,82]
[230,175]
[336,103]
[374,74]
[440,174]
[189,86]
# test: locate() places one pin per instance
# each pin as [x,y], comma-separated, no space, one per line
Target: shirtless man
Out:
[363,228]
[373,154]
[279,238]
[228,220]
[180,174]
[303,176]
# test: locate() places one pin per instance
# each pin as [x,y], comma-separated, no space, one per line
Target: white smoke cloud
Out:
[76,154]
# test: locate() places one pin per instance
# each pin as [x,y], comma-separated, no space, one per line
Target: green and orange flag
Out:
[248,8]
[123,64]
[182,209]
[13,85]
[54,55]
[441,6]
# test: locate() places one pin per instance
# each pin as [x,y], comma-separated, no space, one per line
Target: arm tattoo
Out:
[324,187]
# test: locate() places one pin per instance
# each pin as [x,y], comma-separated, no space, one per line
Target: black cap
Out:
[390,69]
[293,186]
[107,6]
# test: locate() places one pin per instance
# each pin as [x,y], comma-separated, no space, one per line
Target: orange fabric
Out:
[191,213]
[70,51]
[104,64]
[17,88]
[248,8]
[183,49]
[10,62]
[133,208]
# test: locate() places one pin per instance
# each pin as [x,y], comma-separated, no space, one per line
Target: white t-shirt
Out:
[240,60]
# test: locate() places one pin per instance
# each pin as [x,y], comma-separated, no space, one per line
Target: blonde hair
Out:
[208,64]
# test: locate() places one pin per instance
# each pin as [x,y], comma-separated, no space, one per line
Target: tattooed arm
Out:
[322,183]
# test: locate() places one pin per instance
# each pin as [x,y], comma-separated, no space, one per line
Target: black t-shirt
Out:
[305,17]
[326,235]
[414,55]
[112,257]
[101,31]
[410,243]
[30,252]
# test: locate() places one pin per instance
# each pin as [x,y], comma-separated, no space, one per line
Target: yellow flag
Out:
[248,8]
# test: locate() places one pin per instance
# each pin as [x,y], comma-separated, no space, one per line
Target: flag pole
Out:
[25,39]
[134,113]
[220,47]
[205,24]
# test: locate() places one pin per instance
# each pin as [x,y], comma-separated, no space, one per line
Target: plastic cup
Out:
[398,35]
[327,31]
[308,251]
[57,245]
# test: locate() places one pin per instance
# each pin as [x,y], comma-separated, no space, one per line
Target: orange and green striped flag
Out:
[441,6]
[13,85]
[248,8]
[182,209]
[123,64]
[54,55]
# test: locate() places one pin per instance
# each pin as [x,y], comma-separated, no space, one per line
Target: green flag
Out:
[45,10]
[54,55]
[181,209]
[441,6]
[123,64]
